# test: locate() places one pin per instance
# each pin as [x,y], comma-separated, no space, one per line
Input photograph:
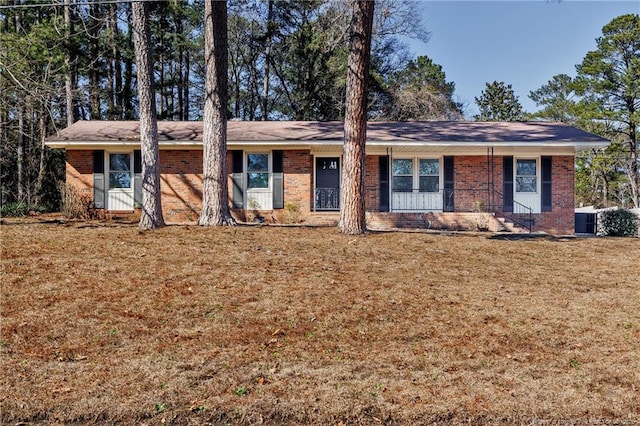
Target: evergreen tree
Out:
[420,92]
[609,82]
[498,102]
[557,97]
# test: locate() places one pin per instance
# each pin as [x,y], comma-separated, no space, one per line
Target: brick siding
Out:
[181,175]
[79,167]
[298,179]
[372,183]
[561,219]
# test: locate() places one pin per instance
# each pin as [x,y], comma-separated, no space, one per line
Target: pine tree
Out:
[609,82]
[498,102]
[352,208]
[151,216]
[215,208]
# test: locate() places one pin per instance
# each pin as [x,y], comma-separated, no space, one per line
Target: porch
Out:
[483,209]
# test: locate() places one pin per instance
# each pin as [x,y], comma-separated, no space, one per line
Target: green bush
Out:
[619,223]
[16,209]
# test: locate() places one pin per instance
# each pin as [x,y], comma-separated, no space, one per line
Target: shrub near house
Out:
[619,223]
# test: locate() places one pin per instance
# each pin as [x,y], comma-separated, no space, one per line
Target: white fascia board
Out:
[288,144]
[374,145]
[487,144]
[75,145]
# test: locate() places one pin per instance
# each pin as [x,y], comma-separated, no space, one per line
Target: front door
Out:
[327,192]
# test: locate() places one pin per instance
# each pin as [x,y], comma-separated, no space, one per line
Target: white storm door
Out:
[120,192]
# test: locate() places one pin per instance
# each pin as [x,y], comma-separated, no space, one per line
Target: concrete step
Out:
[509,226]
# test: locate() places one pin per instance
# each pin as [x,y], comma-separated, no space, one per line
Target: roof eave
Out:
[308,144]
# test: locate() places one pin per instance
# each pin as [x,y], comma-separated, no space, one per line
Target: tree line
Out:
[287,60]
[603,98]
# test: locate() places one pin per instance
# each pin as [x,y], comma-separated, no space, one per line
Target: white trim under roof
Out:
[372,146]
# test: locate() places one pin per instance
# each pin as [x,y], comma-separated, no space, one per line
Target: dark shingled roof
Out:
[291,131]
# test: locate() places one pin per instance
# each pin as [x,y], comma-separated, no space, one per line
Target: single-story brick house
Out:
[418,174]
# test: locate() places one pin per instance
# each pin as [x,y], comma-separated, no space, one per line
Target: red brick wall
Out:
[372,183]
[471,177]
[298,179]
[561,219]
[79,167]
[181,174]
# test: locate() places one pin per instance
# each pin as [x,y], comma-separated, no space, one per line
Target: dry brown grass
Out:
[102,323]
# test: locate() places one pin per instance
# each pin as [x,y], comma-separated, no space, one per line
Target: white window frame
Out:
[417,200]
[415,173]
[417,168]
[533,200]
[268,171]
[258,198]
[119,198]
[109,170]
[536,176]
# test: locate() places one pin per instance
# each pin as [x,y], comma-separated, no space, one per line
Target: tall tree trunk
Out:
[180,83]
[352,208]
[634,172]
[151,200]
[215,206]
[68,61]
[42,165]
[32,117]
[161,85]
[115,73]
[267,59]
[117,58]
[180,80]
[127,93]
[20,153]
[185,85]
[94,69]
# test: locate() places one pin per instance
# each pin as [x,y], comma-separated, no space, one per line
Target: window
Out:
[402,175]
[526,176]
[257,171]
[120,171]
[429,175]
[405,180]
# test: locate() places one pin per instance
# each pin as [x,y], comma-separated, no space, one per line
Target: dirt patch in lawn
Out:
[102,323]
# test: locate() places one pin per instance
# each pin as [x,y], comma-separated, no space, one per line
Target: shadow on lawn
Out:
[532,237]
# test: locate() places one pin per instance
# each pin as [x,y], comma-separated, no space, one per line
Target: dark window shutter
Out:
[277,169]
[449,201]
[236,178]
[137,161]
[98,161]
[384,183]
[546,184]
[507,172]
[137,178]
[98,179]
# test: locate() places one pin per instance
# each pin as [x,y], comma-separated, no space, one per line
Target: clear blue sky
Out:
[523,43]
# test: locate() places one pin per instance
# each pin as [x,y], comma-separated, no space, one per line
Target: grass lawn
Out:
[102,323]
